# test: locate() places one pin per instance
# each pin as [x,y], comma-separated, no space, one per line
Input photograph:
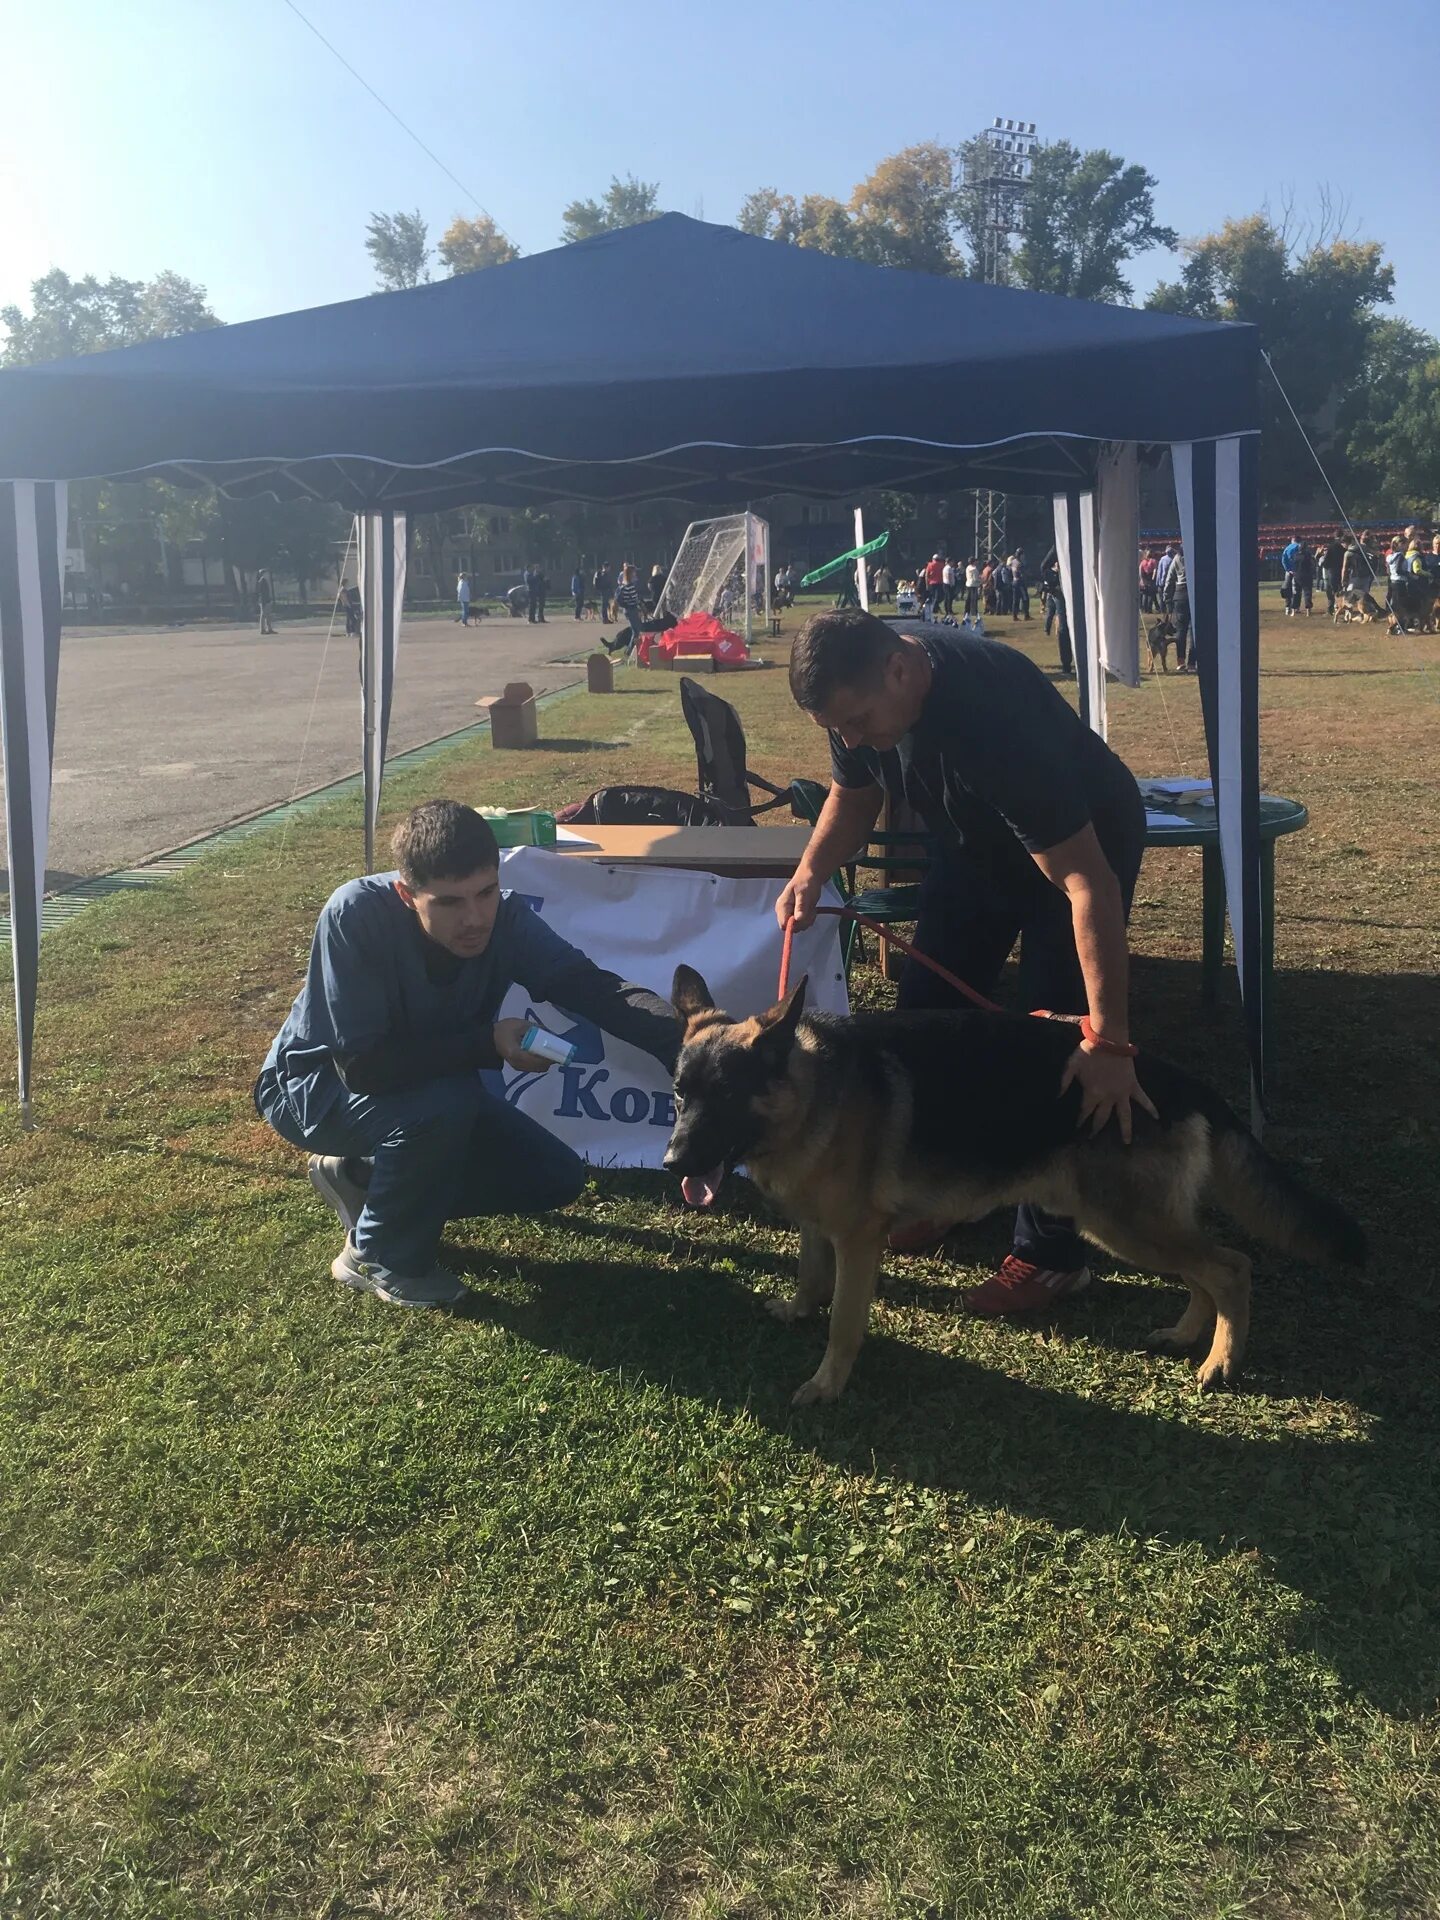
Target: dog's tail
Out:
[1268,1201]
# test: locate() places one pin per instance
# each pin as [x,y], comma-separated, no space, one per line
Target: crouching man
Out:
[375,1074]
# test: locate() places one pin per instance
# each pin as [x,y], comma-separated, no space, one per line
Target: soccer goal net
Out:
[723,567]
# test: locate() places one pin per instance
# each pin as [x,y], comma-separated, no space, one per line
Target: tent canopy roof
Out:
[675,359]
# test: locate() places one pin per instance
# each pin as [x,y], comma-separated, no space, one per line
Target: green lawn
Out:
[315,1608]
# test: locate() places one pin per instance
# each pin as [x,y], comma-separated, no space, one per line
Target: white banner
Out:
[613,1104]
[1117,568]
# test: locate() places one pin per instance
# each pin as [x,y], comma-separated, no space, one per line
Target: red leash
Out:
[884,933]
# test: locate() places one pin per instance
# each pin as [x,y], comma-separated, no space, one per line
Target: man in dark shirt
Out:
[1332,562]
[1040,829]
[376,1072]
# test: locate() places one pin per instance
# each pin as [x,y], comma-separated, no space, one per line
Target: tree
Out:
[1408,447]
[626,203]
[89,316]
[901,216]
[399,244]
[770,215]
[467,245]
[1314,298]
[904,214]
[1083,216]
[1388,427]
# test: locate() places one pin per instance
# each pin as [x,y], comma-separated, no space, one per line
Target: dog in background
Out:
[1160,636]
[1355,604]
[853,1126]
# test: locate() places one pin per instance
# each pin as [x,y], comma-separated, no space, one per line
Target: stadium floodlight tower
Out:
[999,162]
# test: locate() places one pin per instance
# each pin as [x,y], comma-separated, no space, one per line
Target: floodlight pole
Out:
[1002,160]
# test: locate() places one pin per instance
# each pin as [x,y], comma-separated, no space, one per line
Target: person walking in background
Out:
[462,594]
[1177,605]
[934,585]
[604,589]
[1289,562]
[354,611]
[947,582]
[1305,578]
[657,587]
[1332,567]
[1162,573]
[1019,592]
[628,603]
[1054,592]
[265,599]
[577,591]
[1147,583]
[972,588]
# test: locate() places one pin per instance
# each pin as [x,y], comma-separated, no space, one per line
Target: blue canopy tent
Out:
[671,360]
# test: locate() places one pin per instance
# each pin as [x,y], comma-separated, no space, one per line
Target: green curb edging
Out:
[57,908]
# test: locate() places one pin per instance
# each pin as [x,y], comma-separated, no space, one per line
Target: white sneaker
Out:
[438,1288]
[335,1187]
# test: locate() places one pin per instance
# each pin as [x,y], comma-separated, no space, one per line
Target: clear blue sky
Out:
[222,139]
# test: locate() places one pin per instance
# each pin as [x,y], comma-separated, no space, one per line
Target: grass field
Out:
[310,1607]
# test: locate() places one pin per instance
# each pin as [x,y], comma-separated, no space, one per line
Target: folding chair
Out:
[901,851]
[720,757]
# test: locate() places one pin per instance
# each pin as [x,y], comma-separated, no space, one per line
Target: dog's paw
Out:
[1169,1340]
[1212,1375]
[791,1308]
[817,1388]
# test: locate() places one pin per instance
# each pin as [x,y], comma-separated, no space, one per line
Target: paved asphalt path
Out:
[164,735]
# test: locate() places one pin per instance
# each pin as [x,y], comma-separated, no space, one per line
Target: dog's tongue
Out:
[700,1189]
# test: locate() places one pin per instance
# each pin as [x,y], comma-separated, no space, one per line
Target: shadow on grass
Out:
[1350,1524]
[1351,1527]
[1333,673]
[550,745]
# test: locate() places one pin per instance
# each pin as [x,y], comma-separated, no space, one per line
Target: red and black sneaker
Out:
[1020,1287]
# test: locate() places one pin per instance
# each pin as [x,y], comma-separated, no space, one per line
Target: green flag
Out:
[845,559]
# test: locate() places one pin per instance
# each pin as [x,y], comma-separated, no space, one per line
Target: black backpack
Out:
[643,807]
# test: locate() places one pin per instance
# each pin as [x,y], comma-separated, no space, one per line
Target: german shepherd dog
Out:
[851,1126]
[1160,637]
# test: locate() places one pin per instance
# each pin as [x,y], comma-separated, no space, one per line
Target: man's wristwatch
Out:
[1125,1049]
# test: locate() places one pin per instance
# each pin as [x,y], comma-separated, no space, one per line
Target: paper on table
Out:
[1183,793]
[567,837]
[1154,818]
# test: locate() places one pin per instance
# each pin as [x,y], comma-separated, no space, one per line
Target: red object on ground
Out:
[699,636]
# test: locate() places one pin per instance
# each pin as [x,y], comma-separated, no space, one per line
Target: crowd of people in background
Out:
[1351,572]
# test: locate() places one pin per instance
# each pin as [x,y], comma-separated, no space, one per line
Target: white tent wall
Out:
[32,566]
[1117,565]
[1075,544]
[1217,489]
[382,545]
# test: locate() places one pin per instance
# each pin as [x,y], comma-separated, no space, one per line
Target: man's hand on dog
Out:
[1107,1087]
[507,1035]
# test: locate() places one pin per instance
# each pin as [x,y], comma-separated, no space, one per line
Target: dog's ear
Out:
[689,994]
[781,1021]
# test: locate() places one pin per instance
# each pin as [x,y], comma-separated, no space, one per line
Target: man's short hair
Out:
[846,648]
[442,840]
